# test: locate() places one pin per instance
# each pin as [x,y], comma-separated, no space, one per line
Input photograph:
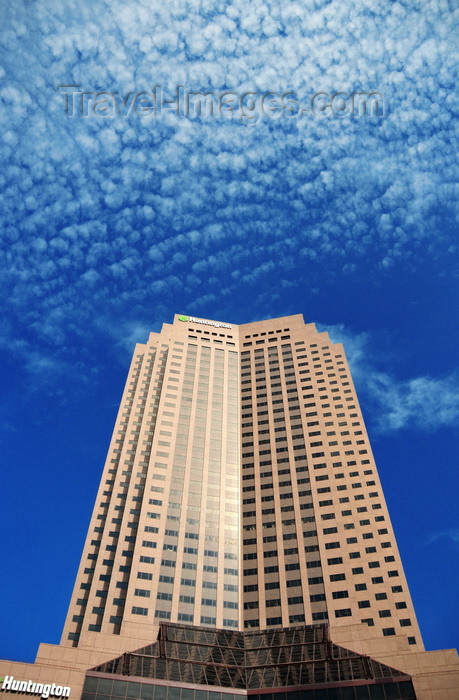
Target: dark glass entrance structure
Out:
[197,663]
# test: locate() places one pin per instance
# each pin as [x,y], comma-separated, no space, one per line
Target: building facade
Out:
[240,494]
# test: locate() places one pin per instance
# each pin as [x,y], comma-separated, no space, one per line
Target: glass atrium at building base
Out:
[197,663]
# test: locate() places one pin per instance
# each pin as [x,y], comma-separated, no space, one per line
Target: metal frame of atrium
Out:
[283,659]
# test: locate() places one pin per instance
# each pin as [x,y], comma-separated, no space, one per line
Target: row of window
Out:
[198,330]
[184,617]
[285,330]
[214,340]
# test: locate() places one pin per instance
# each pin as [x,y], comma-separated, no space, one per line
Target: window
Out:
[319,616]
[207,620]
[385,613]
[268,538]
[388,631]
[185,617]
[317,597]
[139,611]
[337,577]
[145,575]
[209,568]
[186,599]
[142,592]
[296,618]
[293,583]
[295,600]
[293,567]
[274,621]
[187,582]
[309,548]
[209,601]
[340,594]
[344,612]
[273,603]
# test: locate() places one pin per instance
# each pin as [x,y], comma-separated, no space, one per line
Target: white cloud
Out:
[426,403]
[419,403]
[124,210]
[452,535]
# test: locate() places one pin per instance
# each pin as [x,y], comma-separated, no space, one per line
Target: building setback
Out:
[240,494]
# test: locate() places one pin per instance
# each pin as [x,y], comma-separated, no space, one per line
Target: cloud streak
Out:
[420,403]
[451,535]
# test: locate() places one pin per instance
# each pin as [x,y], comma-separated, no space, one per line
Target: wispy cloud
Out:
[420,403]
[427,403]
[451,535]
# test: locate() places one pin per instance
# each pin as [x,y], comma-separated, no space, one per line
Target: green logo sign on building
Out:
[193,319]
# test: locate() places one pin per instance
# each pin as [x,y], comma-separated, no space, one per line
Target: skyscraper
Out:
[240,491]
[240,494]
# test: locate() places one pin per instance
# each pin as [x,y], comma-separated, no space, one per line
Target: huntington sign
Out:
[215,324]
[44,690]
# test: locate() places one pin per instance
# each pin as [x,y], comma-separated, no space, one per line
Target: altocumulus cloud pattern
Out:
[104,213]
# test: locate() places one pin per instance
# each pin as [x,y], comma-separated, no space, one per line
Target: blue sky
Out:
[113,222]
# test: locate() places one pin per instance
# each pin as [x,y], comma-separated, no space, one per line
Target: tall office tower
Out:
[240,492]
[240,543]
